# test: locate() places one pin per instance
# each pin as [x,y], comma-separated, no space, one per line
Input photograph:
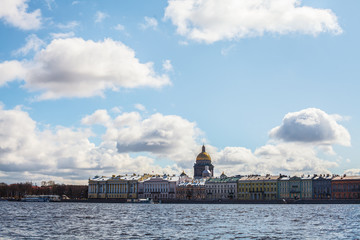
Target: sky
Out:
[119,87]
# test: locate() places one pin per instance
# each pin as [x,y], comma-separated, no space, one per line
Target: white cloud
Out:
[14,12]
[140,107]
[74,67]
[62,35]
[168,136]
[313,126]
[100,16]
[68,25]
[303,136]
[149,23]
[66,154]
[11,70]
[98,117]
[33,43]
[163,136]
[273,159]
[60,153]
[352,172]
[212,20]
[167,65]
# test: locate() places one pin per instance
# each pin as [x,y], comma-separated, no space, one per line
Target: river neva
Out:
[21,220]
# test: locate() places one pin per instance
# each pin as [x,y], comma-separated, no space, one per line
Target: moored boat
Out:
[41,198]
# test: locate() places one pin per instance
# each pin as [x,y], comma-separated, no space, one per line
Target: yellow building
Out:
[115,187]
[255,187]
[270,187]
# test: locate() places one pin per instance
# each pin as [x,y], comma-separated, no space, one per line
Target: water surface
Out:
[22,220]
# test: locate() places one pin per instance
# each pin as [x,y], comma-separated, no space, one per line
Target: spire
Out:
[203,148]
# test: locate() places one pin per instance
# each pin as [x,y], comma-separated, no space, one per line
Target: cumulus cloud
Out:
[212,20]
[295,147]
[14,12]
[33,43]
[133,143]
[100,117]
[62,154]
[11,70]
[313,126]
[273,159]
[74,67]
[165,136]
[149,23]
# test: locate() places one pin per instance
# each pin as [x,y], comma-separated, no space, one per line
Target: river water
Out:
[22,220]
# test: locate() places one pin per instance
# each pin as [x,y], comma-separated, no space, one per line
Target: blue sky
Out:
[116,87]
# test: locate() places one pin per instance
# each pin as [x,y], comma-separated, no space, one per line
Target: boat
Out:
[41,198]
[141,200]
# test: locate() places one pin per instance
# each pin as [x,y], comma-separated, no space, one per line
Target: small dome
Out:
[206,173]
[203,155]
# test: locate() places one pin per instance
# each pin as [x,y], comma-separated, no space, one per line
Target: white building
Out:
[116,187]
[158,187]
[221,188]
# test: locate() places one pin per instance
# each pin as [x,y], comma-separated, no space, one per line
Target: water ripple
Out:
[20,220]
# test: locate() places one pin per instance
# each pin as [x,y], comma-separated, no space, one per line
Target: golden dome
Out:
[203,155]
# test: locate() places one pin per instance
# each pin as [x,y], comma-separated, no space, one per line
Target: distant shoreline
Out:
[320,201]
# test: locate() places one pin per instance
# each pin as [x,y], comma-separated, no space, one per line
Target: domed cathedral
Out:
[203,160]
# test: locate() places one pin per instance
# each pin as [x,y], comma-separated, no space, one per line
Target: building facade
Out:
[158,187]
[306,187]
[115,187]
[270,187]
[222,188]
[256,187]
[193,190]
[283,187]
[203,162]
[345,187]
[322,186]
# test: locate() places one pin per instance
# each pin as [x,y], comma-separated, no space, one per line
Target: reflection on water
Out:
[177,221]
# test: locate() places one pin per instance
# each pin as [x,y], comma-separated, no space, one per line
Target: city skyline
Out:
[90,88]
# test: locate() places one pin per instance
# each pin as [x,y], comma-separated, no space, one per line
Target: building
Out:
[221,188]
[158,187]
[203,162]
[252,188]
[115,187]
[295,187]
[306,187]
[345,187]
[192,190]
[256,187]
[322,186]
[283,187]
[270,187]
